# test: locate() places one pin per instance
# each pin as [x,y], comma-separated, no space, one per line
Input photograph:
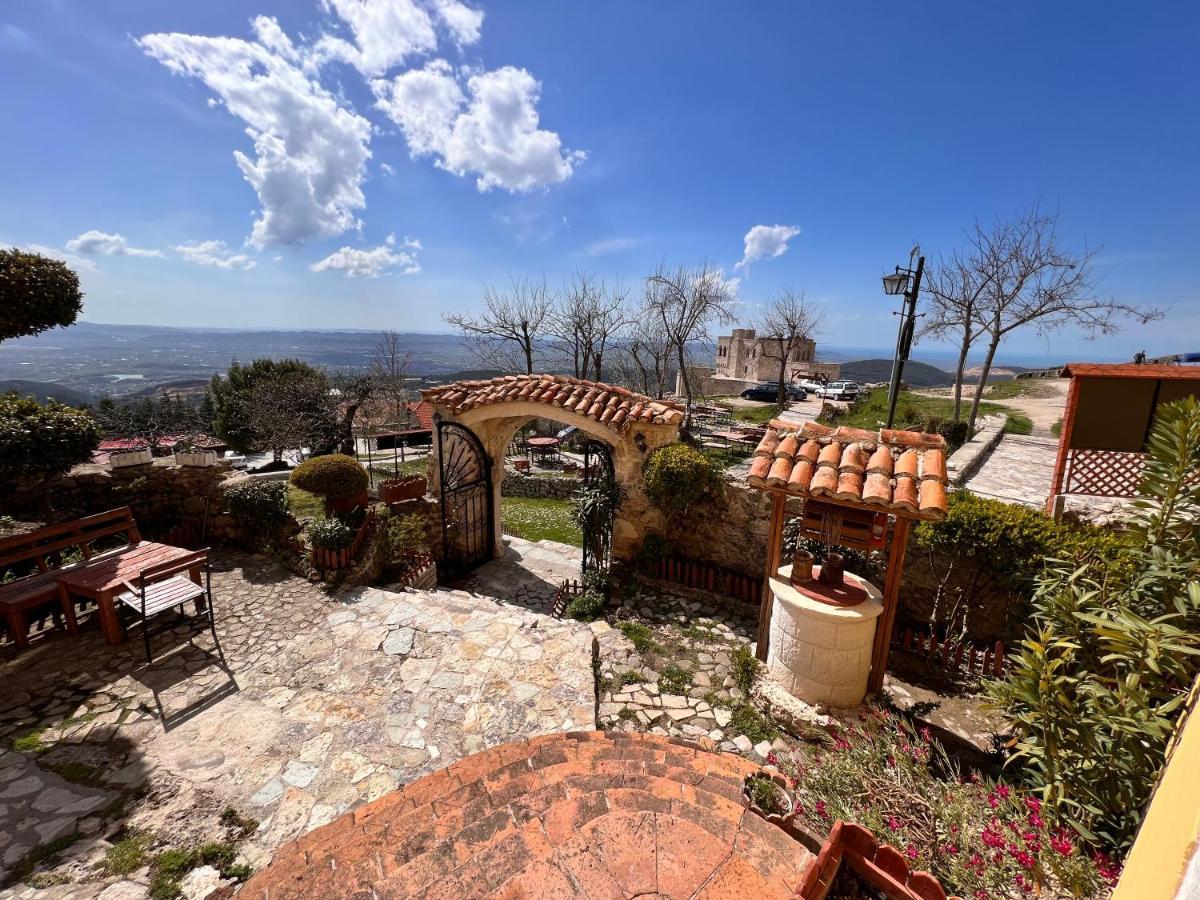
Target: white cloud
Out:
[310,152]
[766,242]
[213,253]
[75,262]
[386,169]
[388,32]
[375,262]
[490,129]
[93,243]
[611,245]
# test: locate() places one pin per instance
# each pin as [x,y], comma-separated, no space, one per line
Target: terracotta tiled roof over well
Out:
[608,404]
[901,472]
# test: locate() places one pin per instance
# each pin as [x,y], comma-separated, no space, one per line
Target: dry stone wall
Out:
[539,486]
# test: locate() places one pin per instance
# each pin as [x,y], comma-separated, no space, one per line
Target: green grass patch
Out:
[1007,389]
[745,667]
[240,825]
[383,469]
[538,519]
[171,866]
[756,415]
[912,410]
[749,721]
[128,854]
[627,715]
[675,680]
[1056,428]
[302,503]
[639,635]
[30,742]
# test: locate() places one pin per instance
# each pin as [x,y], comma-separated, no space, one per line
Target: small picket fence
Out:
[567,591]
[703,576]
[961,656]
[327,560]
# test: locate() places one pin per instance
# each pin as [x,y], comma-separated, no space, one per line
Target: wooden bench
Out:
[97,575]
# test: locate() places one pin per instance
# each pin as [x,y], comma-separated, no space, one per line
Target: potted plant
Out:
[192,453]
[134,456]
[766,793]
[405,487]
[833,565]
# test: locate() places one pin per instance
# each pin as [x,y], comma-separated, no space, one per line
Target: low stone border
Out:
[553,487]
[965,461]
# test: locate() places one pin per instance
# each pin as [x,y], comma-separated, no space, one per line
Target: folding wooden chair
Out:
[161,587]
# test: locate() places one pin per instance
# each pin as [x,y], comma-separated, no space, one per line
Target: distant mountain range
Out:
[916,374]
[45,390]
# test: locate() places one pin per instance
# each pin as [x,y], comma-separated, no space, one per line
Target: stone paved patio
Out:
[316,705]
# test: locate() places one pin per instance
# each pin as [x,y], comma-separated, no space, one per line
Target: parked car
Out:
[840,390]
[769,390]
[813,386]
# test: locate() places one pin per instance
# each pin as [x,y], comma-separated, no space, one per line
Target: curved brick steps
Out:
[583,814]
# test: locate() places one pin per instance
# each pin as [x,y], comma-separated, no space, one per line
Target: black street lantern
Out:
[899,283]
[896,283]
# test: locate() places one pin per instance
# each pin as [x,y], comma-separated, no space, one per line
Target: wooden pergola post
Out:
[891,602]
[773,553]
[1064,442]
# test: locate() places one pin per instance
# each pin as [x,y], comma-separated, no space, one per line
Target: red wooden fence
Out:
[326,559]
[705,577]
[964,657]
[567,591]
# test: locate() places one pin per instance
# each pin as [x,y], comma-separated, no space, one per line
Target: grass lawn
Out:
[302,503]
[871,409]
[381,470]
[536,519]
[757,415]
[1004,390]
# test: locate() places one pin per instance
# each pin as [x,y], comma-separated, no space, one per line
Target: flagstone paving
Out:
[318,704]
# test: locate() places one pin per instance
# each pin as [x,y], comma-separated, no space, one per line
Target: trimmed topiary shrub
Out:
[259,507]
[679,476]
[333,477]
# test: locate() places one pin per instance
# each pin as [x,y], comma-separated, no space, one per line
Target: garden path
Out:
[321,703]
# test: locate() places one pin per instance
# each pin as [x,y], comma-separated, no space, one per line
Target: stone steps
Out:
[580,814]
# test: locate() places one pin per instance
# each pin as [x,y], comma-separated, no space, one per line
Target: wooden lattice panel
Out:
[1104,473]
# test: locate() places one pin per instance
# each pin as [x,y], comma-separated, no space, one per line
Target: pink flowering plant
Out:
[980,838]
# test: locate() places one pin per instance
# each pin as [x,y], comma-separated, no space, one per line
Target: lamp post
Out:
[906,281]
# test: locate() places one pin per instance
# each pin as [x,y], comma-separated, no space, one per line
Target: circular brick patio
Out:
[582,814]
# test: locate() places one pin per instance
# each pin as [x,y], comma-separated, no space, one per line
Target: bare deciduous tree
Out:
[589,316]
[389,371]
[787,323]
[1031,280]
[955,287]
[505,335]
[643,362]
[684,302]
[292,410]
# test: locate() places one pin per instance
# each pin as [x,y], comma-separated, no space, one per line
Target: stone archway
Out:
[632,425]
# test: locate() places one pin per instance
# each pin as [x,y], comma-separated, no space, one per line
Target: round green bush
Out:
[43,441]
[257,503]
[678,476]
[334,477]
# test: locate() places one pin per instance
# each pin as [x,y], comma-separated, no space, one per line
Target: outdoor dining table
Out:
[103,581]
[736,437]
[541,447]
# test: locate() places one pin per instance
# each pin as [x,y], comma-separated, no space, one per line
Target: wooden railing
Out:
[967,658]
[326,559]
[705,576]
[567,591]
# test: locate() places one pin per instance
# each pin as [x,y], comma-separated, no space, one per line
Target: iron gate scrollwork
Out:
[600,482]
[466,494]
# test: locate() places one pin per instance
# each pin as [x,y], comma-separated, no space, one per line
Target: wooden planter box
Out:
[123,458]
[397,490]
[347,504]
[422,575]
[326,559]
[196,458]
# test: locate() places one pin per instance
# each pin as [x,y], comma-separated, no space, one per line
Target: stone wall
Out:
[561,487]
[730,532]
[161,495]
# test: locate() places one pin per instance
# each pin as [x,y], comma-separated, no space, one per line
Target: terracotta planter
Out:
[123,458]
[832,569]
[802,567]
[196,458]
[780,818]
[396,490]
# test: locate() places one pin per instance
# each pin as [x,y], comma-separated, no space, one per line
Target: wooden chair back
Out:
[162,571]
[40,545]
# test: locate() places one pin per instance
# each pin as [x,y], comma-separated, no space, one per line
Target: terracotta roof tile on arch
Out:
[606,403]
[902,472]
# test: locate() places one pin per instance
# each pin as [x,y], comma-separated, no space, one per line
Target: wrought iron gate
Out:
[598,471]
[466,493]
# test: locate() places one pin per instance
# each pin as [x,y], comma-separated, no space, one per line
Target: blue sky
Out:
[393,158]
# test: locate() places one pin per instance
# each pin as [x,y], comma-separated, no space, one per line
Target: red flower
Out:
[1022,882]
[1061,843]
[820,808]
[1024,859]
[1108,870]
[841,744]
[894,824]
[1034,804]
[976,862]
[993,801]
[772,759]
[910,851]
[1035,820]
[992,838]
[1003,791]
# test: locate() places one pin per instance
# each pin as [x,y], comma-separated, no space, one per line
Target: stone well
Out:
[819,652]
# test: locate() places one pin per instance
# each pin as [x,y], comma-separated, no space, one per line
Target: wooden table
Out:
[737,437]
[103,580]
[543,446]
